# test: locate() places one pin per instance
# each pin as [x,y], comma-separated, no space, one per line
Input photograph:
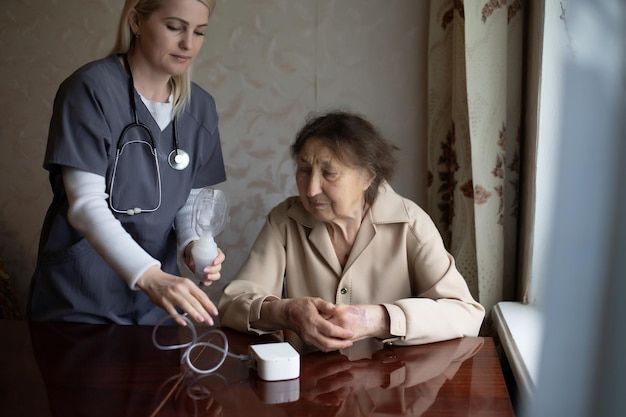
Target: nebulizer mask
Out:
[210,214]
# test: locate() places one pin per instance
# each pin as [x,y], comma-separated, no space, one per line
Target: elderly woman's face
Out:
[329,189]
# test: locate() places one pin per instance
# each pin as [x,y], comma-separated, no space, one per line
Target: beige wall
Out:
[268,63]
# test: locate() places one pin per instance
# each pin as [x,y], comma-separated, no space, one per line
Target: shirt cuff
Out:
[397,320]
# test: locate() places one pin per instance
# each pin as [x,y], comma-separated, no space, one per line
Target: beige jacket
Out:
[398,260]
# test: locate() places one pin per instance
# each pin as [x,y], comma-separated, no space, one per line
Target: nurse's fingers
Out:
[214,267]
[198,305]
[219,259]
[212,272]
[210,279]
[169,291]
[200,315]
[178,318]
[171,310]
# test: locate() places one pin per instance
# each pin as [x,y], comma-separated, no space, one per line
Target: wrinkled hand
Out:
[211,272]
[169,291]
[308,318]
[362,320]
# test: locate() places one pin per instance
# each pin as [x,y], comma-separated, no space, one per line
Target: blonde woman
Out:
[131,142]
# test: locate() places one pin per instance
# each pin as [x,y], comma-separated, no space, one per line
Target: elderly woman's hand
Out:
[308,318]
[362,320]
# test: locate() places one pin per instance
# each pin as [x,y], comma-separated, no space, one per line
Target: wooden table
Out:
[107,370]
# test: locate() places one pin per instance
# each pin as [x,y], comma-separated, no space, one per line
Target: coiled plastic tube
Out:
[196,343]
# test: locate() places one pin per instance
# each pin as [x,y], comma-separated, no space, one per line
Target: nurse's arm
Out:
[89,213]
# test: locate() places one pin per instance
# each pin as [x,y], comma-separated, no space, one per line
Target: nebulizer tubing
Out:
[210,213]
[194,343]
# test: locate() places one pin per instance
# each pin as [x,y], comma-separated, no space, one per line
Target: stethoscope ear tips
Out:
[133,211]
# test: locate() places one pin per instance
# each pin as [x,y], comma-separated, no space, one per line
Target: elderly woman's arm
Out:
[445,310]
[440,308]
[411,321]
[414,321]
[248,307]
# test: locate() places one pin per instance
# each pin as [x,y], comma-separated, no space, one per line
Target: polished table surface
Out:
[107,370]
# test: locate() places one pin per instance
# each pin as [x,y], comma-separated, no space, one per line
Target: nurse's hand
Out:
[169,291]
[211,272]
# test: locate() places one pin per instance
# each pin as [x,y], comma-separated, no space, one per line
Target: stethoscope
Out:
[178,159]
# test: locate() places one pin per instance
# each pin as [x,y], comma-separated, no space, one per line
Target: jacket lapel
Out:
[388,208]
[320,240]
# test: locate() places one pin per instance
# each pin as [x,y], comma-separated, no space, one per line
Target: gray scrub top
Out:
[91,109]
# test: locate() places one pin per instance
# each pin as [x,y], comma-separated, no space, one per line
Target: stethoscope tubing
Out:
[178,159]
[135,210]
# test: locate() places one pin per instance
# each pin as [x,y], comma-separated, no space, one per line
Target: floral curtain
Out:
[474,138]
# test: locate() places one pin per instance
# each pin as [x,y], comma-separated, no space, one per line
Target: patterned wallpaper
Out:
[268,63]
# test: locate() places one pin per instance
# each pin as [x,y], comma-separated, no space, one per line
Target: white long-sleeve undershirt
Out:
[90,214]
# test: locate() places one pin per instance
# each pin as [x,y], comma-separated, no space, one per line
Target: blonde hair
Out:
[181,84]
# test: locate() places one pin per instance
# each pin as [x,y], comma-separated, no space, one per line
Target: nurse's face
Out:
[171,37]
[330,189]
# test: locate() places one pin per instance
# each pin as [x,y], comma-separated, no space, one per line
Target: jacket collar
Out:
[388,207]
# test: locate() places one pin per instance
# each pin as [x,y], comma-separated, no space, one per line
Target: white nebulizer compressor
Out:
[275,361]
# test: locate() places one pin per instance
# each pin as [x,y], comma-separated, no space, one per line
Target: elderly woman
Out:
[349,258]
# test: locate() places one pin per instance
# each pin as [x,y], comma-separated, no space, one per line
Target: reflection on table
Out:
[108,370]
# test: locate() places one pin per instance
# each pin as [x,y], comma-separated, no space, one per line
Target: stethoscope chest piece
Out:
[178,159]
